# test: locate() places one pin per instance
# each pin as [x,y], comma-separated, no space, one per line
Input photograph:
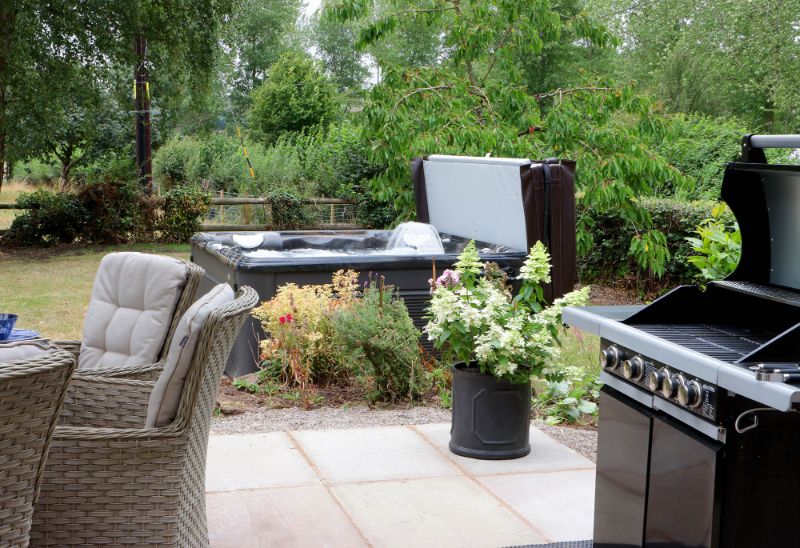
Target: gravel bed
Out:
[325,418]
[581,440]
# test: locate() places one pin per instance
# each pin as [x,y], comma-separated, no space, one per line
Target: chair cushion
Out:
[166,394]
[130,312]
[22,350]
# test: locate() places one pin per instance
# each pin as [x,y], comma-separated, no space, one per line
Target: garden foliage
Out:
[331,333]
[473,317]
[182,211]
[610,260]
[718,245]
[475,102]
[295,96]
[106,213]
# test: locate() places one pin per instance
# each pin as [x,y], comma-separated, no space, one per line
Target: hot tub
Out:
[505,218]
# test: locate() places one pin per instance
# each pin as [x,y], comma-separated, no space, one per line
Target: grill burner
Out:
[723,342]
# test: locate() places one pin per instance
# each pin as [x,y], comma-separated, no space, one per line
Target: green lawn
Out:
[51,293]
[8,195]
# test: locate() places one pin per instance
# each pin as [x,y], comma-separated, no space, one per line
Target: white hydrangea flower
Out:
[536,268]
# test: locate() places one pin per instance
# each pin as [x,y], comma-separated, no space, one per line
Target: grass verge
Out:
[50,290]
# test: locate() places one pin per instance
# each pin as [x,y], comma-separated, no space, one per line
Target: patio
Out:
[391,486]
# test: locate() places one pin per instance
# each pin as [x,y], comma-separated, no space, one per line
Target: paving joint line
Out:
[326,484]
[481,486]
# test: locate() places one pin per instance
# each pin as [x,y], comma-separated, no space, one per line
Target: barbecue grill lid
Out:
[766,202]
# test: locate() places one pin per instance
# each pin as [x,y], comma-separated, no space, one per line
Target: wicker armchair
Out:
[194,275]
[31,394]
[109,480]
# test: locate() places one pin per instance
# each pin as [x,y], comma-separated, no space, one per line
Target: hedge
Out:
[608,258]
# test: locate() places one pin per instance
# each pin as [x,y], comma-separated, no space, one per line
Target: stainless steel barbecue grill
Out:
[699,437]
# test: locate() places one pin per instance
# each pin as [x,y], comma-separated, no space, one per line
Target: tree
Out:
[256,35]
[82,121]
[722,58]
[37,34]
[335,42]
[297,95]
[475,102]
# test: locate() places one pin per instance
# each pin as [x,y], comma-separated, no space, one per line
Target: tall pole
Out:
[142,115]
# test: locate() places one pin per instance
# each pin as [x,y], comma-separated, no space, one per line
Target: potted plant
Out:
[496,342]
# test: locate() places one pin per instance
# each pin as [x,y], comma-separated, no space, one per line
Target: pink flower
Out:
[289,318]
[282,319]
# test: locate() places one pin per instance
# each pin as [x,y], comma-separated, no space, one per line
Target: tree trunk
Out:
[8,14]
[66,166]
[142,108]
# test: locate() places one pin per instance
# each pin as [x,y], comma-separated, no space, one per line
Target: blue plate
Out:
[23,335]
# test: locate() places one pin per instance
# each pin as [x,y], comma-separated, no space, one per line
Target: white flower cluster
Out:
[536,268]
[481,321]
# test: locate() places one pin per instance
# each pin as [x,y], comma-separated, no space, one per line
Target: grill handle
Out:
[753,146]
[775,141]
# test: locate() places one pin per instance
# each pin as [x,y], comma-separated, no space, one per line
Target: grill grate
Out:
[723,342]
[771,292]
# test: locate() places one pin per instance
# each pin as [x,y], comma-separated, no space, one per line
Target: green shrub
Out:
[378,333]
[287,211]
[611,259]
[171,160]
[570,399]
[37,172]
[700,147]
[183,211]
[113,165]
[50,218]
[98,213]
[719,245]
[118,212]
[296,95]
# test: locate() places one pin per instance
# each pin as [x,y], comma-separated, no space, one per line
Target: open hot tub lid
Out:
[514,202]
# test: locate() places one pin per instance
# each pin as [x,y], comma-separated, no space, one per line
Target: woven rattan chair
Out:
[31,394]
[150,371]
[109,480]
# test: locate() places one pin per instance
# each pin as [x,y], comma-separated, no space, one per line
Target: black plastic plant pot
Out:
[491,417]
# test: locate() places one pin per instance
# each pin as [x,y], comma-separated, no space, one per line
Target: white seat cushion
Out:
[22,350]
[166,394]
[133,300]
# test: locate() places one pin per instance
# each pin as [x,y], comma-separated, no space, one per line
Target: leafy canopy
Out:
[476,101]
[297,95]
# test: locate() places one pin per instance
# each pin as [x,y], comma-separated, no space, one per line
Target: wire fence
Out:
[256,213]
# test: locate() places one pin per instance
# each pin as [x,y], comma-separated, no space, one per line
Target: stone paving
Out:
[391,486]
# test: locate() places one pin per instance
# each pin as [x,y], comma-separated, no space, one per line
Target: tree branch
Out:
[570,91]
[500,45]
[416,11]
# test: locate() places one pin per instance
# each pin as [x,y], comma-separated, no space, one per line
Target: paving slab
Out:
[373,454]
[255,461]
[433,512]
[561,504]
[285,516]
[546,454]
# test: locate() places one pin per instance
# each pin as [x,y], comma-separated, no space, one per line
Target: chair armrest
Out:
[102,402]
[73,347]
[144,372]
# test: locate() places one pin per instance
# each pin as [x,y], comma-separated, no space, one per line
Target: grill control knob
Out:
[633,368]
[690,394]
[669,388]
[610,357]
[655,379]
